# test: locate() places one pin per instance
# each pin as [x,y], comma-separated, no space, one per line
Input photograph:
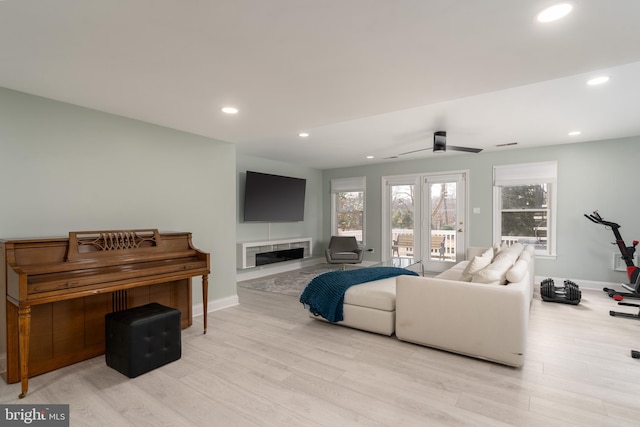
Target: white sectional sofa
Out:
[479,307]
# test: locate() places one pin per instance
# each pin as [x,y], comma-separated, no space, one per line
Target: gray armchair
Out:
[343,250]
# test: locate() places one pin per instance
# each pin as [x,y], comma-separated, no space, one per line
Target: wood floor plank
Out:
[506,414]
[241,397]
[304,404]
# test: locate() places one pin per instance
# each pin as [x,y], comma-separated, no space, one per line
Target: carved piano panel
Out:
[68,285]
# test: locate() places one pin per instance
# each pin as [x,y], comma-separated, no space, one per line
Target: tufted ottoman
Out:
[143,338]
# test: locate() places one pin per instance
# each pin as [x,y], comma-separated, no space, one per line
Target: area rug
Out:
[288,283]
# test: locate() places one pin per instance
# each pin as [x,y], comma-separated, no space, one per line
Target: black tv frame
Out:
[273,198]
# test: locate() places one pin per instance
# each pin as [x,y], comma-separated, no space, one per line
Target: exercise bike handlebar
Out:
[596,218]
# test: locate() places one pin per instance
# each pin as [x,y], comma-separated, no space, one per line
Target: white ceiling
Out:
[363,77]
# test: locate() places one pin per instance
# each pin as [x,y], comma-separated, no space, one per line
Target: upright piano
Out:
[58,291]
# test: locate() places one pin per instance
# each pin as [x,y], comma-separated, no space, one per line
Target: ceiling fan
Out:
[440,145]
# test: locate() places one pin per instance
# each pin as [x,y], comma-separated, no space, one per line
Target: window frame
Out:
[521,175]
[348,185]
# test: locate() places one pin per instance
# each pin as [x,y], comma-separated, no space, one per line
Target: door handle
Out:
[459,230]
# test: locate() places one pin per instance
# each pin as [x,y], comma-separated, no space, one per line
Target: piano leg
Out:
[24,336]
[205,299]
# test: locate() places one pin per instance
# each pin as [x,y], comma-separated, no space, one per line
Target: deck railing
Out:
[443,243]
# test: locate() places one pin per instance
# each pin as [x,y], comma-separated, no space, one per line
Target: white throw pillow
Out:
[476,264]
[517,272]
[512,253]
[488,253]
[496,249]
[495,273]
[525,256]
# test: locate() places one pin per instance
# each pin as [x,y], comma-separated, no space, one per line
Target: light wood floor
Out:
[264,362]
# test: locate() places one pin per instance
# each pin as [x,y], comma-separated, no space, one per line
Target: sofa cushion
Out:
[379,294]
[496,249]
[499,248]
[525,255]
[511,253]
[476,264]
[517,272]
[517,248]
[454,272]
[495,273]
[345,256]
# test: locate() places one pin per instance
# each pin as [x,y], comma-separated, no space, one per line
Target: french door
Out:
[443,220]
[424,217]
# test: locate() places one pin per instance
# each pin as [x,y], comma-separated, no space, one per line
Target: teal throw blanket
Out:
[324,295]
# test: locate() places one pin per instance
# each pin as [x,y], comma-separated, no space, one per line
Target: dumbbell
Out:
[569,294]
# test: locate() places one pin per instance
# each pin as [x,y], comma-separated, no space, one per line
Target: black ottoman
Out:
[142,338]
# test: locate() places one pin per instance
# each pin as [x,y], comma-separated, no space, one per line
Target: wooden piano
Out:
[58,291]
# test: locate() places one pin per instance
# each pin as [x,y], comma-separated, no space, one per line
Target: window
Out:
[525,205]
[348,217]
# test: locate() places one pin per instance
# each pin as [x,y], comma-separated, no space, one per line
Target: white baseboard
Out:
[216,305]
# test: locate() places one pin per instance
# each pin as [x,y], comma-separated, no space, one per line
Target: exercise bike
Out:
[632,271]
[627,253]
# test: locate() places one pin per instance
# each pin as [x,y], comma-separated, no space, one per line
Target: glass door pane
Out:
[445,220]
[402,220]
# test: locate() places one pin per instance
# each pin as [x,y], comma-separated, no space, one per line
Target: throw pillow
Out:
[496,249]
[512,253]
[525,256]
[517,272]
[495,273]
[488,253]
[475,265]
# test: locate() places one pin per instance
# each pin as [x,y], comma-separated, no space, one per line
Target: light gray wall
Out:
[66,168]
[313,212]
[595,175]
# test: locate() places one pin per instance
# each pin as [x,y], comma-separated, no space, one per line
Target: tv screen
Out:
[273,198]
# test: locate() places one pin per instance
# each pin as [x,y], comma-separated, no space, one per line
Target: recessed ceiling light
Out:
[598,80]
[303,134]
[370,157]
[230,110]
[555,12]
[574,133]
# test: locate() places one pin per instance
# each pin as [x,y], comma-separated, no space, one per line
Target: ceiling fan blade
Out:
[414,151]
[467,149]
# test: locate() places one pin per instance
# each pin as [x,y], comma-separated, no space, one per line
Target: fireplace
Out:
[264,258]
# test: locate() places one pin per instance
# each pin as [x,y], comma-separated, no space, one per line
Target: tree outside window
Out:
[402,207]
[525,214]
[350,214]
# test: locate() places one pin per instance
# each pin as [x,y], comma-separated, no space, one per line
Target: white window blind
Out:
[525,174]
[342,185]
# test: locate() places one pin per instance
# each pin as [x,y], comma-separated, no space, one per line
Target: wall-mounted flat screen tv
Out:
[273,198]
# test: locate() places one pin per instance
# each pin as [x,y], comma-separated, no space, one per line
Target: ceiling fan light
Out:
[440,141]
